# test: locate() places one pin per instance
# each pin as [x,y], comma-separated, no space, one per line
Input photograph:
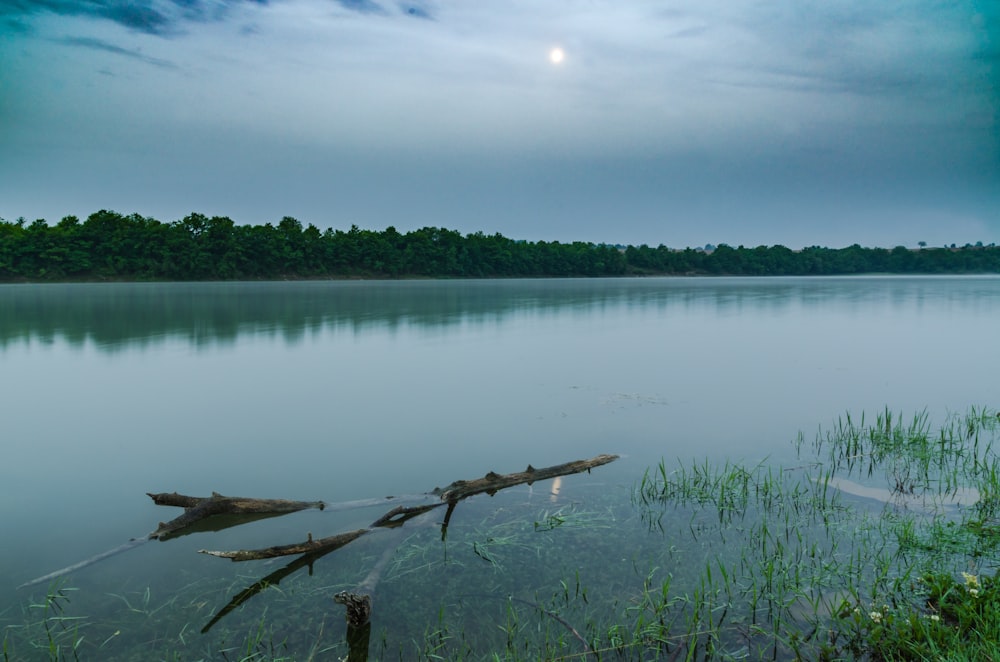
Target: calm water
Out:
[348,390]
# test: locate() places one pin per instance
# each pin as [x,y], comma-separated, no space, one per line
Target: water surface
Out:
[344,390]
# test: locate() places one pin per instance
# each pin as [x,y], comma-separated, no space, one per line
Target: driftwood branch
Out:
[490,484]
[218,512]
[493,482]
[197,509]
[273,579]
[280,506]
[310,546]
[213,513]
[392,519]
[359,603]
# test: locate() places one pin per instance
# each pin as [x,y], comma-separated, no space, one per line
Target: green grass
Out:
[832,575]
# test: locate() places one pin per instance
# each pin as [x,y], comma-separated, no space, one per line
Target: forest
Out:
[112,246]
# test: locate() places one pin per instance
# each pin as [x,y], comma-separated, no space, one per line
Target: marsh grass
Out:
[139,624]
[863,570]
[862,549]
[48,630]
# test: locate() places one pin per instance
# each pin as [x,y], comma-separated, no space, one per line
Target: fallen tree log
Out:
[273,579]
[213,513]
[310,546]
[394,518]
[199,508]
[279,505]
[493,482]
[358,602]
[490,484]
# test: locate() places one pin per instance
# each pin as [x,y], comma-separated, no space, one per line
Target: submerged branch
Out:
[309,546]
[490,484]
[135,542]
[273,579]
[230,511]
[213,513]
[359,601]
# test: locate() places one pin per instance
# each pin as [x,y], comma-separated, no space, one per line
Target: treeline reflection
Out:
[118,315]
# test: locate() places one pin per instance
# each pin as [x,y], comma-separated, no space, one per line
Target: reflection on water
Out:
[114,315]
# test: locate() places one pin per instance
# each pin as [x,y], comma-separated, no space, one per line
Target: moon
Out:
[557,55]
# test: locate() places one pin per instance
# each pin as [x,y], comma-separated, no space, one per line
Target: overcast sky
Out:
[682,122]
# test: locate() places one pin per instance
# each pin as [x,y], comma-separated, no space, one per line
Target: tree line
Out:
[113,246]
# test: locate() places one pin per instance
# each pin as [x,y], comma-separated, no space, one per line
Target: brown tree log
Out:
[200,508]
[273,579]
[217,512]
[309,546]
[359,601]
[490,484]
[493,482]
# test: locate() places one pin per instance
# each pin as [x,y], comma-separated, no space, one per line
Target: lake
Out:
[337,391]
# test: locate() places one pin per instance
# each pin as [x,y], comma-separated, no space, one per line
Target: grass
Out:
[879,543]
[822,573]
[47,631]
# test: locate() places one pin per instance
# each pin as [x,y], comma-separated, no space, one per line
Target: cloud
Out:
[155,17]
[415,10]
[700,111]
[137,17]
[165,17]
[141,15]
[362,6]
[15,26]
[101,45]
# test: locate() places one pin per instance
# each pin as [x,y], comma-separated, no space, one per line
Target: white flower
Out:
[876,616]
[971,581]
[974,592]
[934,617]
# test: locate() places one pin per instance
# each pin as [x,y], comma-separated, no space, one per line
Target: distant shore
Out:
[111,247]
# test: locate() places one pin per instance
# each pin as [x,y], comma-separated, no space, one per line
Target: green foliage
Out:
[112,246]
[47,631]
[956,620]
[852,554]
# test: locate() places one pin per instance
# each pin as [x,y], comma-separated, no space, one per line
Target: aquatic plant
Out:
[875,543]
[46,629]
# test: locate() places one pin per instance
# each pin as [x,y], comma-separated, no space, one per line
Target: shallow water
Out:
[345,390]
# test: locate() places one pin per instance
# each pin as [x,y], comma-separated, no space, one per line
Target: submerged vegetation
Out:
[112,246]
[880,546]
[880,542]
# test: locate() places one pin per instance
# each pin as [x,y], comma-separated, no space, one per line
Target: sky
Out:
[675,122]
